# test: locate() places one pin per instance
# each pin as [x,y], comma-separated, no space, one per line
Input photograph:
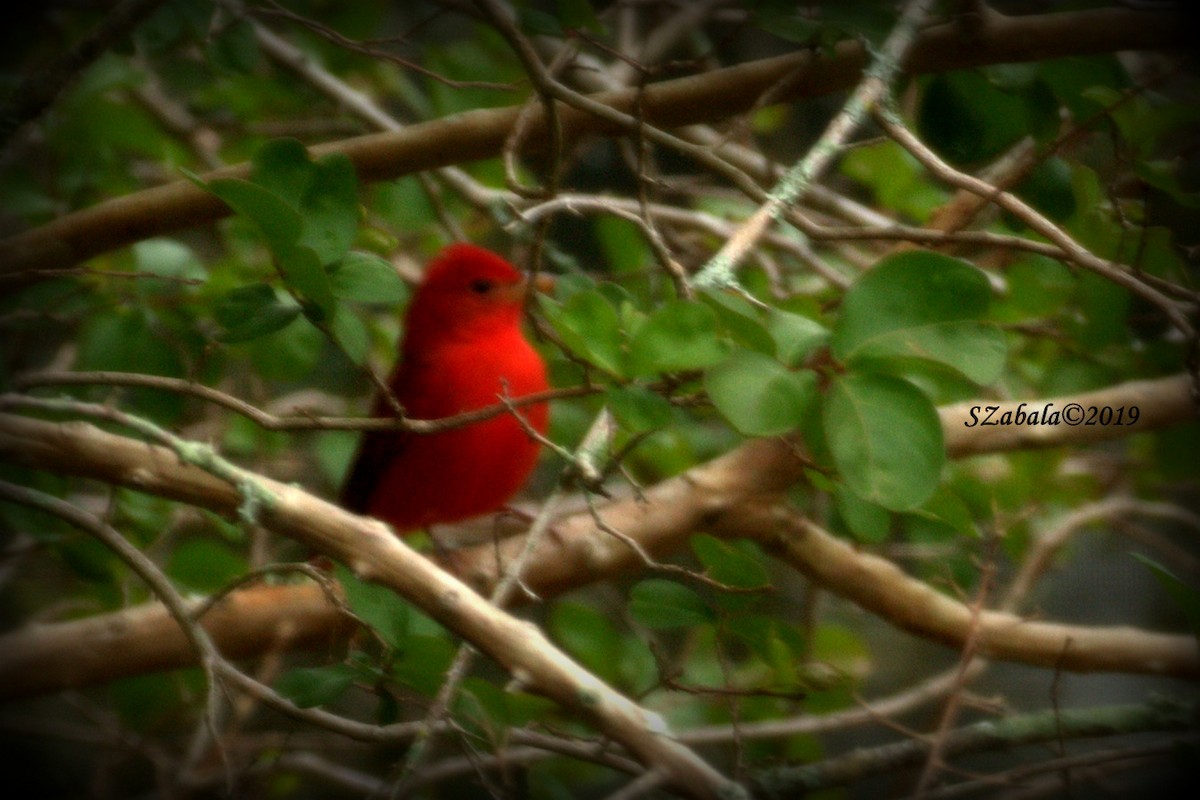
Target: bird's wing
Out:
[375,451]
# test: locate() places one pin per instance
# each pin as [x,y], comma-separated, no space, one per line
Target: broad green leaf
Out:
[942,516]
[135,340]
[303,274]
[623,244]
[169,258]
[867,521]
[729,562]
[279,223]
[659,604]
[288,354]
[481,705]
[925,306]
[379,607]
[967,118]
[885,437]
[283,168]
[639,409]
[248,312]
[589,636]
[403,204]
[740,320]
[351,334]
[330,208]
[1037,286]
[758,395]
[795,335]
[679,335]
[316,686]
[366,278]
[205,565]
[777,644]
[589,325]
[1049,189]
[896,177]
[426,659]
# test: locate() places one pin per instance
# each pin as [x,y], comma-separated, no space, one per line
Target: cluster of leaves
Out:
[307,214]
[299,293]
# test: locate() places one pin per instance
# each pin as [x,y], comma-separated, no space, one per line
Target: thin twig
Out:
[294,422]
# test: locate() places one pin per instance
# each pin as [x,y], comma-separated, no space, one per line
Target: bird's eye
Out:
[481,286]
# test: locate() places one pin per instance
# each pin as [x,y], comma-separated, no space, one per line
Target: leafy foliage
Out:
[841,343]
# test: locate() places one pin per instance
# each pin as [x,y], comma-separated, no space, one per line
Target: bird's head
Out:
[467,291]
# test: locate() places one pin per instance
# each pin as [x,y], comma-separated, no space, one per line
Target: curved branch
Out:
[714,495]
[372,551]
[1160,402]
[882,588]
[482,134]
[146,638]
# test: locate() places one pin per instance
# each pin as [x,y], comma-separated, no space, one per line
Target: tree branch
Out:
[373,552]
[711,495]
[710,96]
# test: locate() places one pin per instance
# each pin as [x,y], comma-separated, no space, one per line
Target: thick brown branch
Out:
[712,495]
[881,587]
[1160,402]
[702,98]
[376,554]
[147,639]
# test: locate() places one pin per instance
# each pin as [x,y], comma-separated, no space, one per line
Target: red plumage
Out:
[463,347]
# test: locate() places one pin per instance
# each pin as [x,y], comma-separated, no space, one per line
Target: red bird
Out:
[463,349]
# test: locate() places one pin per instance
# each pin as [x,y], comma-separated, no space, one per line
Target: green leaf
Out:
[378,607]
[330,208]
[679,335]
[896,177]
[367,278]
[1185,596]
[589,636]
[351,334]
[661,604]
[941,517]
[924,306]
[639,409]
[288,354]
[316,686]
[279,223]
[795,336]
[248,312]
[740,320]
[589,325]
[205,565]
[758,395]
[968,118]
[168,258]
[304,275]
[283,168]
[729,562]
[1049,189]
[867,521]
[885,437]
[425,662]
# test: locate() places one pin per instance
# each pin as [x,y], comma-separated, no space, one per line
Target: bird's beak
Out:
[542,282]
[517,292]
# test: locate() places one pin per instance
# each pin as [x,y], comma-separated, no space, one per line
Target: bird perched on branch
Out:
[463,350]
